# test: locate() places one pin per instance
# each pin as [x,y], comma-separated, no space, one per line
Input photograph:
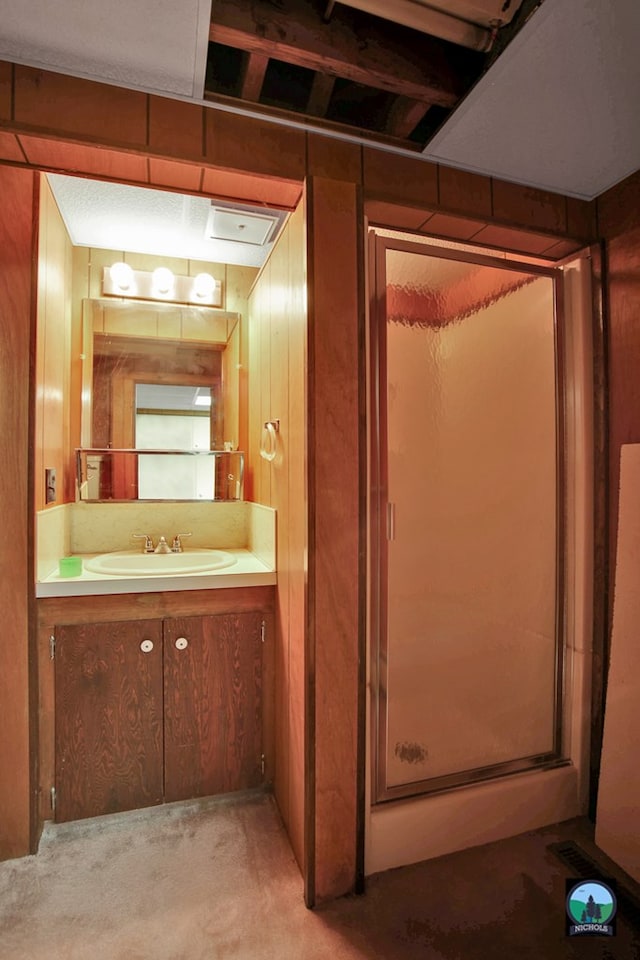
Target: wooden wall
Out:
[619,221]
[277,391]
[55,338]
[17,347]
[335,622]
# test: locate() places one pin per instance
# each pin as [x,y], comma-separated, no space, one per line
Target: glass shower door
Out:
[468,473]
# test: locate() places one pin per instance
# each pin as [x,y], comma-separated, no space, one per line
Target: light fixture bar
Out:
[161,285]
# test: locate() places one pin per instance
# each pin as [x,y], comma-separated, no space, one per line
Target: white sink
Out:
[132,563]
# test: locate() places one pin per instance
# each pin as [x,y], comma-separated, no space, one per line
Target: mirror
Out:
[160,378]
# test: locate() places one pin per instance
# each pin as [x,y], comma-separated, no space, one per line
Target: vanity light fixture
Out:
[120,280]
[203,286]
[163,281]
[122,276]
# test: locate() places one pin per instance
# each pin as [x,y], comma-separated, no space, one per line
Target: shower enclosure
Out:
[467,517]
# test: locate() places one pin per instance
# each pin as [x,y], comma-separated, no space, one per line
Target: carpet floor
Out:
[215,879]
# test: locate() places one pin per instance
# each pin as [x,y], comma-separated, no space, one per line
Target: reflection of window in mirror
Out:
[173,417]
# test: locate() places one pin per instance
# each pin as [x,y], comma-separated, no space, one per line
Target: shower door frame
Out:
[381,522]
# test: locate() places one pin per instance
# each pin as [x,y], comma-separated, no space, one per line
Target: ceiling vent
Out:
[242,226]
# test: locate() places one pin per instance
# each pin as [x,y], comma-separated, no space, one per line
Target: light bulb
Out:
[204,285]
[163,280]
[121,274]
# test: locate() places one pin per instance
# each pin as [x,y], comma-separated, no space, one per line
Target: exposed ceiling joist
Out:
[420,68]
[320,95]
[253,76]
[404,116]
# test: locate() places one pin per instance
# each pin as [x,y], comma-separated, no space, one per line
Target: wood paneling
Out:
[72,157]
[528,205]
[581,218]
[467,192]
[507,238]
[445,225]
[277,363]
[623,271]
[560,249]
[334,628]
[394,215]
[17,318]
[6,71]
[99,111]
[404,180]
[297,527]
[108,718]
[617,209]
[275,291]
[176,129]
[332,158]
[243,186]
[10,148]
[255,146]
[169,173]
[53,399]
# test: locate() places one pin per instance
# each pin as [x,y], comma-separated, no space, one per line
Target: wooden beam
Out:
[386,58]
[404,117]
[320,95]
[253,77]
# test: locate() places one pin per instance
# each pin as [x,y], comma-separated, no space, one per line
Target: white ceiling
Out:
[114,216]
[155,45]
[558,109]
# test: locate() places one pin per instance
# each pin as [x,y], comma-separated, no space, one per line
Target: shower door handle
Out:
[391,521]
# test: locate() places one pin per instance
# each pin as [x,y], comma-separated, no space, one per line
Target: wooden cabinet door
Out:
[108,709]
[213,704]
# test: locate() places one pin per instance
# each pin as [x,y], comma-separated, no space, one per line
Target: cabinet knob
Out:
[182,643]
[146,646]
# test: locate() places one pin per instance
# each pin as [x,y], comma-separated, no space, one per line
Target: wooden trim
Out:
[334,535]
[18,757]
[361,769]
[130,606]
[601,518]
[34,671]
[309,872]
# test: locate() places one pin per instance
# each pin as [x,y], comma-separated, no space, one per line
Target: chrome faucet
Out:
[176,546]
[148,542]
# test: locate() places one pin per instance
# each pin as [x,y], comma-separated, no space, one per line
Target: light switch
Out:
[50,485]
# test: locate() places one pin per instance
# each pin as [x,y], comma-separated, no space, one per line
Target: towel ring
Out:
[269,440]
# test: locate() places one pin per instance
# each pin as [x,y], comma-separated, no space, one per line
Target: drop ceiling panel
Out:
[156,45]
[559,108]
[116,216]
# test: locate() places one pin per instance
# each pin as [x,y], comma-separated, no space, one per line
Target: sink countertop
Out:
[247,571]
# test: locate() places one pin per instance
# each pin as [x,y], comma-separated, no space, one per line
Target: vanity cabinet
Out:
[151,710]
